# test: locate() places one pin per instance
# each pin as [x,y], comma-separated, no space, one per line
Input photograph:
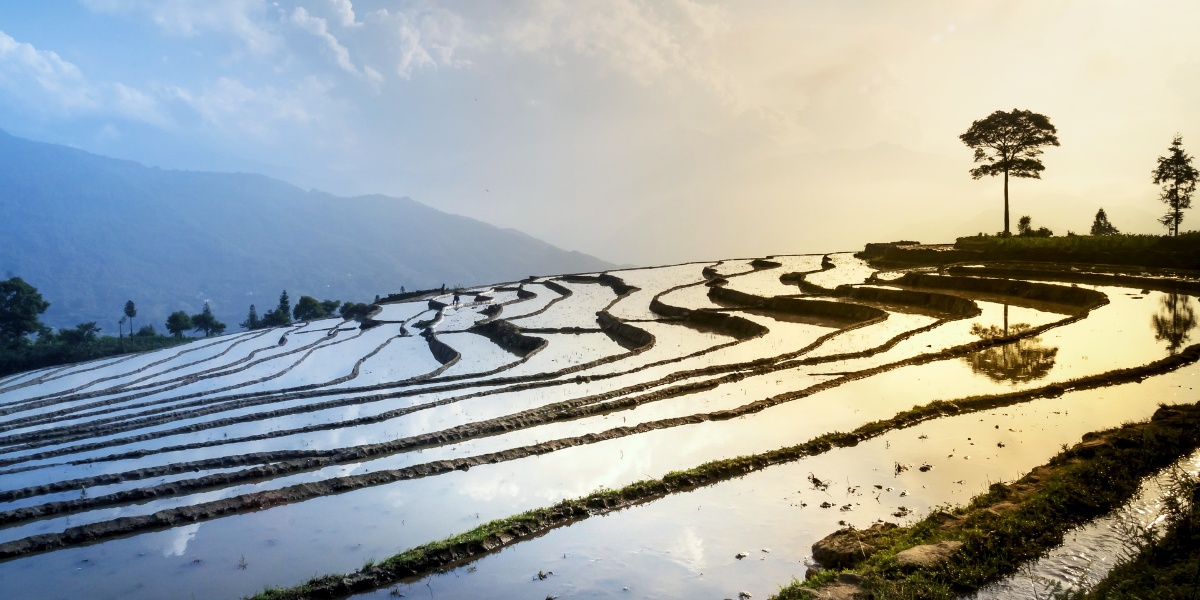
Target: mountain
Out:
[91,232]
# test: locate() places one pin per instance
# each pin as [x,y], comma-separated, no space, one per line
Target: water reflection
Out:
[1174,322]
[1023,360]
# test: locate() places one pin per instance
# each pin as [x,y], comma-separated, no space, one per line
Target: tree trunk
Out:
[1006,231]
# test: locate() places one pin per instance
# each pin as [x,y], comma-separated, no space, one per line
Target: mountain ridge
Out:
[91,232]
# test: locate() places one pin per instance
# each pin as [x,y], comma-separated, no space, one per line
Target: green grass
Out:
[1009,525]
[1186,242]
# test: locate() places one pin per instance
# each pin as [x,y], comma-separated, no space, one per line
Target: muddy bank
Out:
[1068,275]
[629,336]
[509,337]
[931,301]
[1028,290]
[959,550]
[847,312]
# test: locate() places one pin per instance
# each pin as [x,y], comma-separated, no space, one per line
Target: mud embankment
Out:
[1027,290]
[931,301]
[1161,284]
[846,312]
[509,337]
[628,336]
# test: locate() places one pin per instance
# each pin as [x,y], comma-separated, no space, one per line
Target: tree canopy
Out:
[178,322]
[130,313]
[1009,143]
[1177,177]
[206,323]
[1101,225]
[280,315]
[20,306]
[308,309]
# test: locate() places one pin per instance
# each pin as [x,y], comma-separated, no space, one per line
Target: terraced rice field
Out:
[264,458]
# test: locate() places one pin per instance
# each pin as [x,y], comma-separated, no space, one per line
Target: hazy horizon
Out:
[641,133]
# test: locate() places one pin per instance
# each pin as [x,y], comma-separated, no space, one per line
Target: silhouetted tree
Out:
[178,322]
[206,323]
[146,331]
[131,312]
[308,309]
[1177,177]
[20,305]
[1009,143]
[330,306]
[1101,226]
[121,327]
[252,321]
[1025,228]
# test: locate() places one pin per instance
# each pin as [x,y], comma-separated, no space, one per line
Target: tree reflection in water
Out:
[1174,322]
[1023,360]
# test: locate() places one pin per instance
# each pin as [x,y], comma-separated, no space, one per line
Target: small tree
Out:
[178,322]
[308,309]
[252,321]
[1101,226]
[20,305]
[206,323]
[330,306]
[131,312]
[1024,226]
[146,331]
[280,315]
[82,334]
[1177,177]
[1009,143]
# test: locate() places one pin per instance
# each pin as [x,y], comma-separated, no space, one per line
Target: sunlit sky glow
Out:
[640,132]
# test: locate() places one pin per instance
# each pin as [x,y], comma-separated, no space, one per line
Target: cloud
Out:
[318,27]
[46,82]
[345,11]
[243,19]
[427,38]
[265,112]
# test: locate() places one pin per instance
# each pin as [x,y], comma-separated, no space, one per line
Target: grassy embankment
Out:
[1172,252]
[491,536]
[1011,524]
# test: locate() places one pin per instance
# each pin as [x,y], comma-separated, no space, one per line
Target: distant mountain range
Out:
[91,232]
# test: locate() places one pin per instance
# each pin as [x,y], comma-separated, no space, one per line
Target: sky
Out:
[640,132]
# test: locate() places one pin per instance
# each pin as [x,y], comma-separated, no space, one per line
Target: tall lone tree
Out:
[1009,143]
[1102,226]
[131,312]
[1177,177]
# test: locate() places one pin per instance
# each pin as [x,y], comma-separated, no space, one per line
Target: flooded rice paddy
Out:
[264,458]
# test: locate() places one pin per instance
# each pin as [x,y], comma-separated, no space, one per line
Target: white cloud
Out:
[345,11]
[318,27]
[243,19]
[264,113]
[46,82]
[427,38]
